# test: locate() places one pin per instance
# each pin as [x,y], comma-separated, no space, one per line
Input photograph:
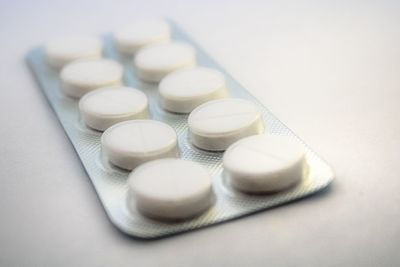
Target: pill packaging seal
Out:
[111,182]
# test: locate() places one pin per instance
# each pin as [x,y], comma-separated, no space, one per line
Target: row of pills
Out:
[129,40]
[161,185]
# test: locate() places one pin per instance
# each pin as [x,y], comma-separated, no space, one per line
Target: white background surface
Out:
[329,69]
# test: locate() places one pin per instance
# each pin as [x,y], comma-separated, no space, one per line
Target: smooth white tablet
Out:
[131,143]
[184,90]
[82,76]
[65,49]
[142,33]
[104,107]
[217,124]
[156,61]
[264,163]
[170,189]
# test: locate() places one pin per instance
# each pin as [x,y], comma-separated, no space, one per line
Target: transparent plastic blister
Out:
[110,182]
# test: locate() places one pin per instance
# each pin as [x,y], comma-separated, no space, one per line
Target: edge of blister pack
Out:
[111,182]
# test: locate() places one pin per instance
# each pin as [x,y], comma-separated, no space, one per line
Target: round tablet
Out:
[170,189]
[131,143]
[217,124]
[264,163]
[184,90]
[107,106]
[68,48]
[156,61]
[142,33]
[82,76]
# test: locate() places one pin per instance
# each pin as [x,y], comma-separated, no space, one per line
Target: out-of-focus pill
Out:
[107,106]
[65,49]
[154,62]
[217,124]
[184,90]
[142,33]
[170,189]
[264,163]
[131,143]
[82,76]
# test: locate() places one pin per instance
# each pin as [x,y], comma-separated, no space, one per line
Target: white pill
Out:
[104,107]
[65,49]
[131,143]
[184,90]
[156,61]
[264,163]
[142,33]
[170,189]
[217,124]
[82,76]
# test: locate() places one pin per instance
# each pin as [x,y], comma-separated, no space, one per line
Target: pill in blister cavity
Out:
[170,189]
[154,62]
[131,143]
[184,90]
[142,33]
[264,163]
[217,124]
[68,48]
[82,76]
[104,107]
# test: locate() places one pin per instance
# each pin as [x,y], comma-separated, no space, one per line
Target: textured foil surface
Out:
[111,182]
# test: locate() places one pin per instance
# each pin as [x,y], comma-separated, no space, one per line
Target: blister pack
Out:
[110,181]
